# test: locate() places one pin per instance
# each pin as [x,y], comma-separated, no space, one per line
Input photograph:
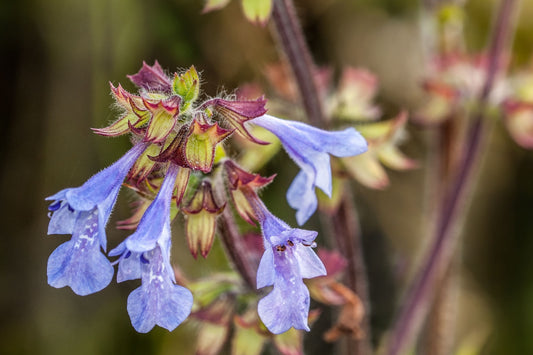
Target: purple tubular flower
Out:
[288,258]
[146,254]
[158,301]
[310,147]
[83,212]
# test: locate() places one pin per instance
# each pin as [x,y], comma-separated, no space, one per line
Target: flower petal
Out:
[265,272]
[155,223]
[301,196]
[63,220]
[103,185]
[158,301]
[310,147]
[285,307]
[79,262]
[310,264]
[168,310]
[129,267]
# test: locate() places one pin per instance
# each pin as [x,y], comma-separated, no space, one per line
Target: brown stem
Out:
[293,43]
[440,253]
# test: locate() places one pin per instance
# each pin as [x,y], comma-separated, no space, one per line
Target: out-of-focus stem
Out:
[345,219]
[439,327]
[440,252]
[293,43]
[348,237]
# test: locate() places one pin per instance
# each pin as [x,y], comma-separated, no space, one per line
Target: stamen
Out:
[281,247]
[70,208]
[54,206]
[144,260]
[290,243]
[128,254]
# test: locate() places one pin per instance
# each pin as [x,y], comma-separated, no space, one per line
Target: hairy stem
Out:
[440,252]
[232,239]
[293,44]
[235,247]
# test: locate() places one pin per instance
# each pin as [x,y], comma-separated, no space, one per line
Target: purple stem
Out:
[348,236]
[299,57]
[233,242]
[441,250]
[293,43]
[235,247]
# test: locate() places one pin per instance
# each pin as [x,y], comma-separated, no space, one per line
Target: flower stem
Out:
[235,247]
[232,239]
[348,237]
[440,252]
[293,44]
[347,230]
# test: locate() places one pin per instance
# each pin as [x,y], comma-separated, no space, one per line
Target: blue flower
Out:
[83,212]
[146,254]
[288,258]
[310,147]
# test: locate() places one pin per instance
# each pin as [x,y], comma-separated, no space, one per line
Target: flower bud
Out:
[151,78]
[132,115]
[243,186]
[200,225]
[519,122]
[200,145]
[238,113]
[164,116]
[187,86]
[354,96]
[144,165]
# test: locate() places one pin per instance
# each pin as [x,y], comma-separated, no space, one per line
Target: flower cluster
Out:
[178,164]
[455,84]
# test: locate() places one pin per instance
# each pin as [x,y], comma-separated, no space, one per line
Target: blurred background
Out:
[57,57]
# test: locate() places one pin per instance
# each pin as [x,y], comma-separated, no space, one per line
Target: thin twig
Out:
[441,250]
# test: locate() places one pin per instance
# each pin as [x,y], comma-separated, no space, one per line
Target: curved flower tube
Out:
[83,212]
[146,254]
[310,148]
[287,260]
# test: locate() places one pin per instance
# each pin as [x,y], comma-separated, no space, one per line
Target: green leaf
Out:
[257,11]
